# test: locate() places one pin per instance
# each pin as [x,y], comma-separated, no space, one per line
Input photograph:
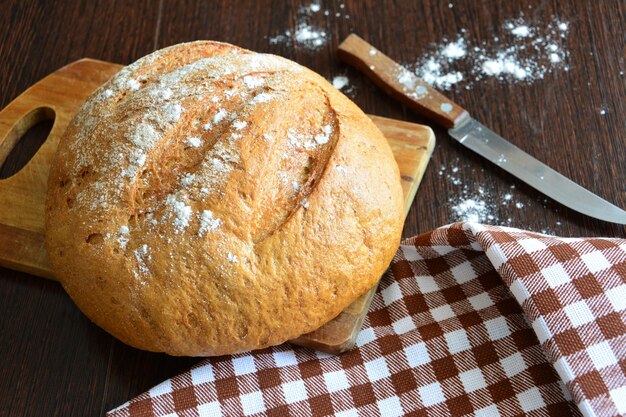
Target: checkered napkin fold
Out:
[469,319]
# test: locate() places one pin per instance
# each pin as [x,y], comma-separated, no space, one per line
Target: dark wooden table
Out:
[54,362]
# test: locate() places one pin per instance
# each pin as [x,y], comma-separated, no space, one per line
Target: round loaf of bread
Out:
[209,200]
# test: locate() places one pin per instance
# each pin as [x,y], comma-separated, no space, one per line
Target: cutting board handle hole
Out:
[24,140]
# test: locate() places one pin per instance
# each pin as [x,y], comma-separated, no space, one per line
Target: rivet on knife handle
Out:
[400,83]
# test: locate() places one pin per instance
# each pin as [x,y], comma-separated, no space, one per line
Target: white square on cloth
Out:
[202,374]
[541,329]
[427,284]
[497,328]
[442,313]
[244,365]
[390,407]
[531,245]
[491,411]
[496,256]
[417,354]
[410,253]
[391,293]
[285,358]
[403,325]
[619,398]
[595,261]
[617,297]
[563,369]
[530,400]
[294,391]
[457,341]
[431,394]
[336,381]
[377,369]
[365,336]
[252,403]
[463,272]
[210,409]
[601,355]
[472,380]
[519,290]
[480,301]
[579,313]
[555,275]
[513,364]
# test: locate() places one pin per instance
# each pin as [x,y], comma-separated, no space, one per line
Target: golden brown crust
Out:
[208,200]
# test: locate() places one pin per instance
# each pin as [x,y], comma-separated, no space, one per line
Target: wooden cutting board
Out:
[59,96]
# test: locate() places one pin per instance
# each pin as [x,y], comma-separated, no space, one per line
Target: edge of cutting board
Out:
[59,96]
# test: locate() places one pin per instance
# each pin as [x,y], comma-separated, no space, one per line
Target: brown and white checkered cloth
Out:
[469,320]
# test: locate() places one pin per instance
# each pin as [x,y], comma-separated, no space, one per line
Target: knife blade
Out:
[415,93]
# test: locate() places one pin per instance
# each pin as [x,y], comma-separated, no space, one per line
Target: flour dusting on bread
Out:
[194,206]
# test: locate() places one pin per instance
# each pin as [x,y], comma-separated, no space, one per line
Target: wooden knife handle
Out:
[400,83]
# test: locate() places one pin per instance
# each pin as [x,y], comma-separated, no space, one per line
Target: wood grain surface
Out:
[56,363]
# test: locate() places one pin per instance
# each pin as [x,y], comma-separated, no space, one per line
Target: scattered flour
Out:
[180,211]
[194,142]
[340,82]
[253,82]
[219,116]
[455,50]
[527,52]
[309,31]
[208,222]
[144,136]
[300,140]
[521,31]
[239,124]
[262,98]
[472,210]
[158,126]
[123,238]
[323,137]
[471,202]
[187,179]
[310,36]
[475,203]
[133,85]
[141,255]
[173,112]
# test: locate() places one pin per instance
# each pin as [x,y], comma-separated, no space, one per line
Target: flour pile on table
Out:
[343,84]
[473,202]
[307,33]
[470,203]
[526,53]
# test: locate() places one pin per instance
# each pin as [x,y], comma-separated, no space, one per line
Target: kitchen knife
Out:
[415,93]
